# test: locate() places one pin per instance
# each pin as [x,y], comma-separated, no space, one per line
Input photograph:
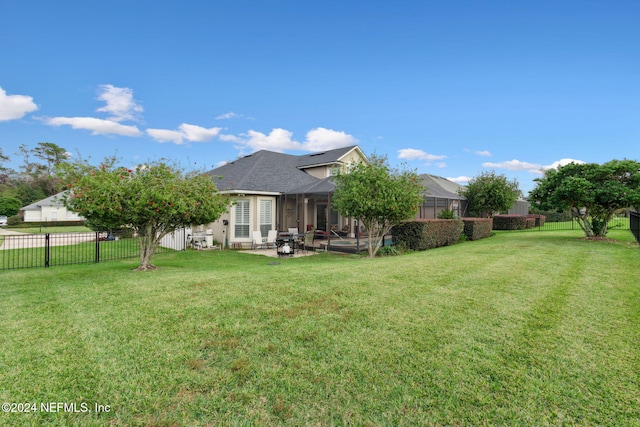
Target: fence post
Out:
[97,247]
[47,248]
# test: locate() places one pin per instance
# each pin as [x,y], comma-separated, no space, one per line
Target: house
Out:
[443,194]
[281,191]
[49,209]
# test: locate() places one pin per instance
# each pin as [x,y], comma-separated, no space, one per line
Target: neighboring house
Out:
[276,191]
[49,209]
[442,194]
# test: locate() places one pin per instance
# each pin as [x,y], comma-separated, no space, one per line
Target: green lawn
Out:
[518,329]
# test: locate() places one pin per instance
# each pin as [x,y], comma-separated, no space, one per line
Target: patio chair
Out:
[258,240]
[271,238]
[307,242]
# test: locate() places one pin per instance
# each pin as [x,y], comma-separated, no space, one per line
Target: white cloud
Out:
[198,133]
[13,107]
[318,139]
[441,165]
[96,126]
[230,138]
[414,154]
[185,132]
[514,165]
[166,135]
[484,153]
[561,162]
[229,115]
[120,103]
[461,179]
[277,140]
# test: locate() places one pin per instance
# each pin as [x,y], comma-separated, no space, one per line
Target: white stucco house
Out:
[48,210]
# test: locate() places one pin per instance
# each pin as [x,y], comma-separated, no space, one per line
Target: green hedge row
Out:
[419,235]
[513,222]
[477,228]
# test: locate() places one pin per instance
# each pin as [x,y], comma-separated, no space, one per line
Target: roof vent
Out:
[316,154]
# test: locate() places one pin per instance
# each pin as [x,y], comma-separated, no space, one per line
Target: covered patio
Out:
[309,208]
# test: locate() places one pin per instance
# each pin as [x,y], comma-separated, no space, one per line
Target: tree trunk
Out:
[148,244]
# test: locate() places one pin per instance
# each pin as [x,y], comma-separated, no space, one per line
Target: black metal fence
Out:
[565,221]
[52,249]
[634,225]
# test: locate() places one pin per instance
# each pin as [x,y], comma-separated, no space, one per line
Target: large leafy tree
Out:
[153,199]
[377,196]
[593,192]
[488,193]
[9,206]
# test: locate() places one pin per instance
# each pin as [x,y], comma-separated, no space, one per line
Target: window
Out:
[241,223]
[266,217]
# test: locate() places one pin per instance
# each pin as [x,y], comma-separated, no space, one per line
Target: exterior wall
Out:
[222,233]
[51,213]
[319,172]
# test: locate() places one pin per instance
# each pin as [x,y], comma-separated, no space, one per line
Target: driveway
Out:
[17,240]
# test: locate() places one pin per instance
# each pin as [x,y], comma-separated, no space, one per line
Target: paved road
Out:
[16,240]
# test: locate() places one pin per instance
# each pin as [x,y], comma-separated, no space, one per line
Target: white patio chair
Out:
[271,238]
[258,240]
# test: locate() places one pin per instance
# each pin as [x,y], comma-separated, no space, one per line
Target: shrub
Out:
[419,235]
[477,228]
[512,222]
[446,214]
[14,220]
[538,218]
[387,251]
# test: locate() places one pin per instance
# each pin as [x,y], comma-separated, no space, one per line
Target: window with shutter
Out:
[266,216]
[241,226]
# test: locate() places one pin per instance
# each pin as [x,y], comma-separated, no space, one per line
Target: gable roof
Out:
[328,157]
[438,186]
[273,173]
[55,200]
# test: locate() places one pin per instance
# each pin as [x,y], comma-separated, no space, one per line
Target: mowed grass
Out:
[517,329]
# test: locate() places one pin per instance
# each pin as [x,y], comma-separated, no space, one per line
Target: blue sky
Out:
[451,88]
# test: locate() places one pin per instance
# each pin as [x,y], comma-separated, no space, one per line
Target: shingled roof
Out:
[438,186]
[271,172]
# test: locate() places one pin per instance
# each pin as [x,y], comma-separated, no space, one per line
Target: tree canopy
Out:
[488,193]
[593,192]
[9,206]
[377,196]
[153,199]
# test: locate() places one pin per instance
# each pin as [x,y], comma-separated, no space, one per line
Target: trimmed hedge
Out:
[419,235]
[539,219]
[513,222]
[477,228]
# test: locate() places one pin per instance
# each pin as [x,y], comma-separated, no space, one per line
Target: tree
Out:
[593,192]
[153,199]
[488,193]
[377,196]
[9,206]
[50,153]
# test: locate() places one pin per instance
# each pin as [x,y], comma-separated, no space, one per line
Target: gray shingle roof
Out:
[321,186]
[438,186]
[323,157]
[262,171]
[268,171]
[55,200]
